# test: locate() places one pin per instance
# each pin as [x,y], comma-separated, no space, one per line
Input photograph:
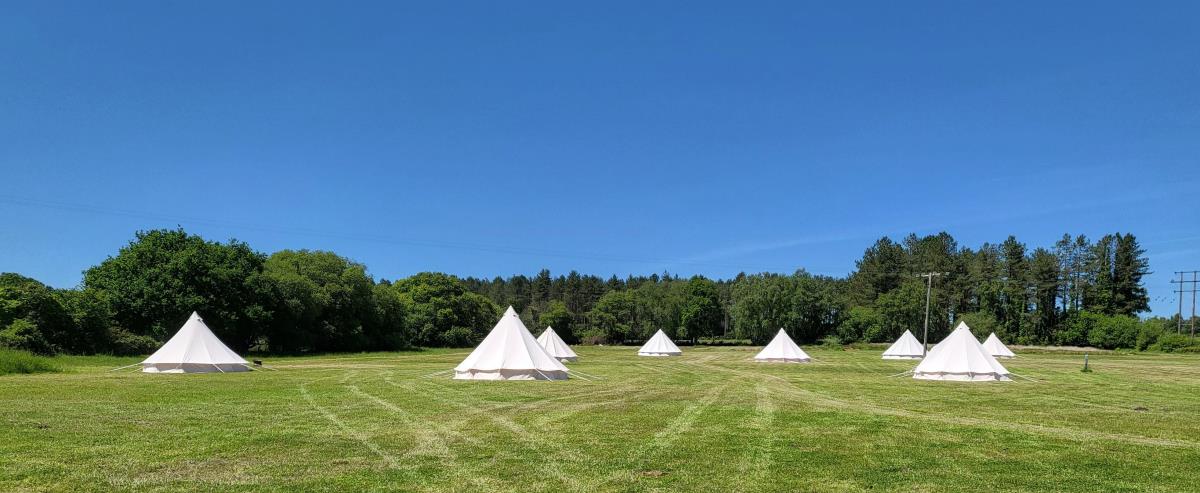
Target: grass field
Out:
[707,421]
[12,361]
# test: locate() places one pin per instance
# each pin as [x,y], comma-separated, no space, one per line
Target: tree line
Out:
[1077,292]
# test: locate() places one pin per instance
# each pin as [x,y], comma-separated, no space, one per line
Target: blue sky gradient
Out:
[495,138]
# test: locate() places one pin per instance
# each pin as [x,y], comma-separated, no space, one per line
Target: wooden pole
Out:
[1193,319]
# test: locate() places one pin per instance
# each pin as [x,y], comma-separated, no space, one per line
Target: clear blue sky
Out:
[495,138]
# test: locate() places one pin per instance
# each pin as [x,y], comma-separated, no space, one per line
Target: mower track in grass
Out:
[710,420]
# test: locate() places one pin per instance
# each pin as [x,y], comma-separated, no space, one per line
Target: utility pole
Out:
[1179,314]
[1181,291]
[928,288]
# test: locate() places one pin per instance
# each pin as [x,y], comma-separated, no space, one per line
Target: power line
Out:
[1181,290]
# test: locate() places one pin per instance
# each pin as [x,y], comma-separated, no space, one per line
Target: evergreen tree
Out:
[541,287]
[1129,266]
[1046,288]
[1016,278]
[1098,292]
[881,269]
[1081,258]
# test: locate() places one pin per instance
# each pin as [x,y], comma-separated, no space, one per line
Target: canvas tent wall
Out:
[960,357]
[555,346]
[659,345]
[194,349]
[509,352]
[782,349]
[996,348]
[906,347]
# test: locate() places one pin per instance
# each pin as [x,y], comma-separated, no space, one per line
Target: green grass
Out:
[707,421]
[14,361]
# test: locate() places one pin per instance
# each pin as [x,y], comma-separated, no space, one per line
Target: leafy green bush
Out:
[15,361]
[832,342]
[1102,331]
[125,343]
[24,335]
[1111,331]
[861,324]
[1176,343]
[1148,333]
[1073,331]
[593,336]
[460,337]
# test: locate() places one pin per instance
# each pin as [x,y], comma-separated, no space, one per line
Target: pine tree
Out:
[1016,278]
[1064,252]
[1046,287]
[1081,258]
[1129,265]
[880,270]
[541,288]
[1098,294]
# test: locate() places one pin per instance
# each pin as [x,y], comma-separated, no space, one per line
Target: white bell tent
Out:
[553,344]
[996,348]
[961,357]
[906,347]
[194,349]
[509,352]
[659,345]
[782,349]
